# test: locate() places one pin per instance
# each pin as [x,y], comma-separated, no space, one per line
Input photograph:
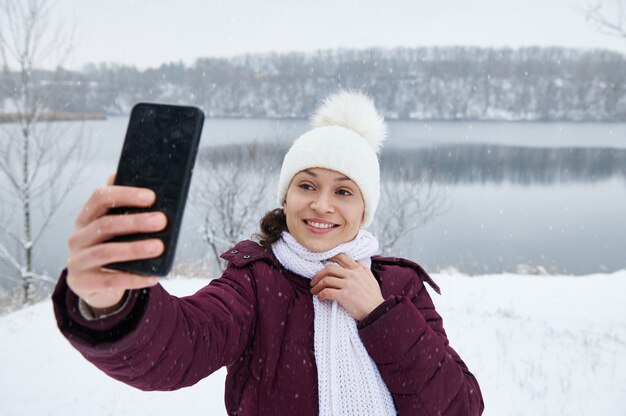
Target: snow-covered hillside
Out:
[539,345]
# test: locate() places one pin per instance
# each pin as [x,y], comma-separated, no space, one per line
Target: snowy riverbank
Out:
[539,345]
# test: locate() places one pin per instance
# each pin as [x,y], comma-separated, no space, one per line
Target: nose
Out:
[322,203]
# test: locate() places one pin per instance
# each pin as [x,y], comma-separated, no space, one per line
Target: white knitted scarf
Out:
[348,380]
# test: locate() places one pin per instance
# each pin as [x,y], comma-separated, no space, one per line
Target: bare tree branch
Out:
[605,19]
[9,258]
[9,173]
[231,192]
[10,233]
[405,206]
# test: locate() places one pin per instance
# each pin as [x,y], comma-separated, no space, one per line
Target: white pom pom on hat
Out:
[347,136]
[354,111]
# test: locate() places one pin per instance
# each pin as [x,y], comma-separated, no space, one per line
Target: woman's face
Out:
[324,208]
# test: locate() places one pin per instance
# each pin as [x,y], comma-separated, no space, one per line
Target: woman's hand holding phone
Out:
[101,288]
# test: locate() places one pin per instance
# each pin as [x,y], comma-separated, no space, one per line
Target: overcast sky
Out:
[147,33]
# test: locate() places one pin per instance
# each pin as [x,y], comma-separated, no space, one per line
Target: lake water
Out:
[535,194]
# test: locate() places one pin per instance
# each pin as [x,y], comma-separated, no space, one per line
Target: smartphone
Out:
[159,153]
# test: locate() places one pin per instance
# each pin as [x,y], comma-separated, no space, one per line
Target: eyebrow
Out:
[341,178]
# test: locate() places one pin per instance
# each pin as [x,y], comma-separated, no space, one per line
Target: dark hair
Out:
[272,225]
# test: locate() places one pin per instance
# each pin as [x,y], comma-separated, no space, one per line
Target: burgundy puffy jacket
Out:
[257,320]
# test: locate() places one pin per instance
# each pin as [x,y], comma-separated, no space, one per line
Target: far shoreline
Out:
[54,116]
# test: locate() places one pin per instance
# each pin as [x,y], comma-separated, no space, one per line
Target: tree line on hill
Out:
[451,83]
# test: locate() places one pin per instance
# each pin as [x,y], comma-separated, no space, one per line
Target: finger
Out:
[331,270]
[108,226]
[345,260]
[109,197]
[111,179]
[103,280]
[330,294]
[97,256]
[362,266]
[328,282]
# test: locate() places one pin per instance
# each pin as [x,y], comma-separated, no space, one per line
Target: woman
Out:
[308,321]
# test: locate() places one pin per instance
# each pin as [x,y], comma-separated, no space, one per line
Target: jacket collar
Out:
[249,251]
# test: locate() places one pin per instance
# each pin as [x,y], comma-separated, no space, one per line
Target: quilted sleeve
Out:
[161,342]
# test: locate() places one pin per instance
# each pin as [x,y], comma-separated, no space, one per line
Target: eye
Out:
[306,186]
[344,192]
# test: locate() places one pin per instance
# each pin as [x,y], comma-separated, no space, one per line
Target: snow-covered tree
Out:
[37,166]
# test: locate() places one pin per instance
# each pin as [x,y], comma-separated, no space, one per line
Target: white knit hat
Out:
[347,136]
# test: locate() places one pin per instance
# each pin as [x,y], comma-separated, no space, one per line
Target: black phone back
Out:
[159,153]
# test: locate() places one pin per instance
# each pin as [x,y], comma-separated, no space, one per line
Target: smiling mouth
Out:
[320,225]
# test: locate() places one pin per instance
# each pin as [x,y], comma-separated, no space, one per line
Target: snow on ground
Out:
[539,345]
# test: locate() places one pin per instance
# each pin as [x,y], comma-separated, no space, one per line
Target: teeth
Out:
[319,224]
